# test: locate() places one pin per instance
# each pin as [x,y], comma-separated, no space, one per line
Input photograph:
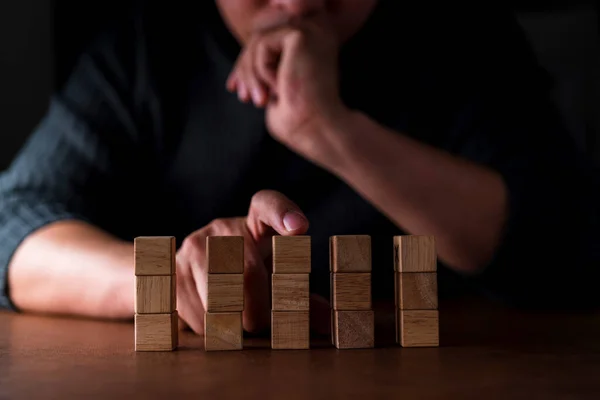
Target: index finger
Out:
[273,213]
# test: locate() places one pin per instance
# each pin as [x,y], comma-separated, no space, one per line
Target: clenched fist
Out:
[270,213]
[292,70]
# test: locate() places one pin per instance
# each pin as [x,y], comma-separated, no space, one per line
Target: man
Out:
[320,117]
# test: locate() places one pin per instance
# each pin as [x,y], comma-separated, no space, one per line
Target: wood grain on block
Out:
[290,292]
[291,254]
[351,291]
[354,329]
[415,254]
[225,254]
[225,293]
[350,253]
[156,332]
[223,331]
[419,328]
[155,294]
[290,330]
[154,255]
[418,290]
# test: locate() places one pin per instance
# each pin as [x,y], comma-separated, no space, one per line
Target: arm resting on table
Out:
[70,267]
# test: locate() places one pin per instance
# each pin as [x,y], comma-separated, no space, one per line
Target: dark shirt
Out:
[145,140]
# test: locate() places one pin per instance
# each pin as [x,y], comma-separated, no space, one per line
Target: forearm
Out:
[423,190]
[75,269]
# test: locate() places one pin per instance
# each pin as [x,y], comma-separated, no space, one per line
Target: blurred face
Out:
[244,17]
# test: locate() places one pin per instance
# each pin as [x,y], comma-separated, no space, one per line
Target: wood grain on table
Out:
[485,352]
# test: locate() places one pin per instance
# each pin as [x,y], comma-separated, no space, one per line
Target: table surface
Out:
[485,352]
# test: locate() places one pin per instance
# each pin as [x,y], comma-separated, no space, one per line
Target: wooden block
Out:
[354,329]
[351,291]
[291,254]
[350,253]
[155,294]
[415,254]
[154,255]
[225,293]
[290,330]
[290,292]
[223,331]
[225,254]
[156,332]
[417,290]
[419,328]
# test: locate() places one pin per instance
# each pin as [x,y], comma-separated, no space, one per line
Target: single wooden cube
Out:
[351,291]
[223,331]
[225,254]
[156,332]
[415,254]
[290,292]
[291,254]
[354,329]
[155,294]
[154,255]
[225,293]
[419,328]
[417,290]
[290,330]
[350,253]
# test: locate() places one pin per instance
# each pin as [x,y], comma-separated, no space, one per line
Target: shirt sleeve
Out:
[80,161]
[503,117]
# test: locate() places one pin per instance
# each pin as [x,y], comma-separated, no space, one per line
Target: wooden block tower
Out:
[353,324]
[156,320]
[290,327]
[225,301]
[417,315]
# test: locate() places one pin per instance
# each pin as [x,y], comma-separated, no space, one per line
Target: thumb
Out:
[273,213]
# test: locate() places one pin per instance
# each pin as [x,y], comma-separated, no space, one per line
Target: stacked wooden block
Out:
[225,299]
[290,292]
[352,316]
[415,266]
[156,320]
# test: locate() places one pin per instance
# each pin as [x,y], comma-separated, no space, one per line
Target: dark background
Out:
[40,39]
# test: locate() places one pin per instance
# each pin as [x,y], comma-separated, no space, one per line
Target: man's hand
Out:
[293,72]
[270,213]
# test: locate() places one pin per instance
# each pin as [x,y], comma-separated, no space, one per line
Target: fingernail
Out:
[293,221]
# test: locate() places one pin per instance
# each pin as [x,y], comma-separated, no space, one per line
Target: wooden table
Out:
[486,353]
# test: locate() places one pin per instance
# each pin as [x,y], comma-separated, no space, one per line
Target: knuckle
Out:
[219,225]
[191,243]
